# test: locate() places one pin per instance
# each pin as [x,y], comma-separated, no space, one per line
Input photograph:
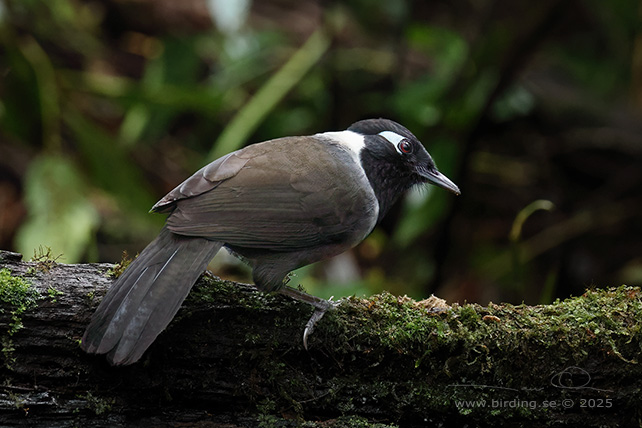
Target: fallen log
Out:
[233,357]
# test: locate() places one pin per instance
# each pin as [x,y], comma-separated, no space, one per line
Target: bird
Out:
[278,205]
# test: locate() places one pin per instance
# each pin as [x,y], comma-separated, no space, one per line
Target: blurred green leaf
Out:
[180,97]
[245,122]
[447,49]
[60,216]
[20,97]
[47,91]
[420,100]
[515,102]
[178,64]
[110,165]
[521,217]
[466,110]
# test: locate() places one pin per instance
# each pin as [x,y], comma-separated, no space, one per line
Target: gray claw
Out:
[309,326]
[320,308]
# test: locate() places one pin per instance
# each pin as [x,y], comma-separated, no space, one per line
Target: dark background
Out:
[532,108]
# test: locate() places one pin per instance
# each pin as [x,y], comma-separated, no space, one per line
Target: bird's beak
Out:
[438,179]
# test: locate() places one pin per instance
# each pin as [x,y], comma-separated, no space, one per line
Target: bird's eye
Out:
[405,146]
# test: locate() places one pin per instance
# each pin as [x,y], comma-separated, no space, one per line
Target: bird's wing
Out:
[284,195]
[205,179]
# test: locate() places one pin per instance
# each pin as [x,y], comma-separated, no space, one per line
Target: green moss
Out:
[118,269]
[53,294]
[18,296]
[98,405]
[210,289]
[597,316]
[213,290]
[391,353]
[470,341]
[357,422]
[272,421]
[7,351]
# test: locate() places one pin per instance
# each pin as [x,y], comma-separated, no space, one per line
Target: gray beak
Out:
[440,180]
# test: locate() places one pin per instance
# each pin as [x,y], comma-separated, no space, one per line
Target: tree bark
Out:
[233,357]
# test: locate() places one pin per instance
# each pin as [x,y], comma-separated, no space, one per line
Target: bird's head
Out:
[391,149]
[392,158]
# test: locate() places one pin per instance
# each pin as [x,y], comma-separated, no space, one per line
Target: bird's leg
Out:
[320,308]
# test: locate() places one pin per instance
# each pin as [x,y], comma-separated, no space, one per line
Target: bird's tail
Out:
[145,298]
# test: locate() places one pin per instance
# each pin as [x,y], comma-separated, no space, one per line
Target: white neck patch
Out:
[393,138]
[349,139]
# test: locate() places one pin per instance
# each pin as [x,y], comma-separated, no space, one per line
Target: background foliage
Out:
[533,108]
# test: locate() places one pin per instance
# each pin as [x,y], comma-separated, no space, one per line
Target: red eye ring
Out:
[405,146]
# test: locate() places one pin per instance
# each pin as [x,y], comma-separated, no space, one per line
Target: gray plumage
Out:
[145,298]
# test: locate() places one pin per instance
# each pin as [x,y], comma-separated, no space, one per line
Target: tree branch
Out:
[233,357]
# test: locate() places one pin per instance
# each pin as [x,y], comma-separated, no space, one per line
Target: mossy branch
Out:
[233,357]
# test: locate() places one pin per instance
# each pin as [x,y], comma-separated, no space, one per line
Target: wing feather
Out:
[296,195]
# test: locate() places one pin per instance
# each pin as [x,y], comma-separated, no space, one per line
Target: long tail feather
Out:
[145,298]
